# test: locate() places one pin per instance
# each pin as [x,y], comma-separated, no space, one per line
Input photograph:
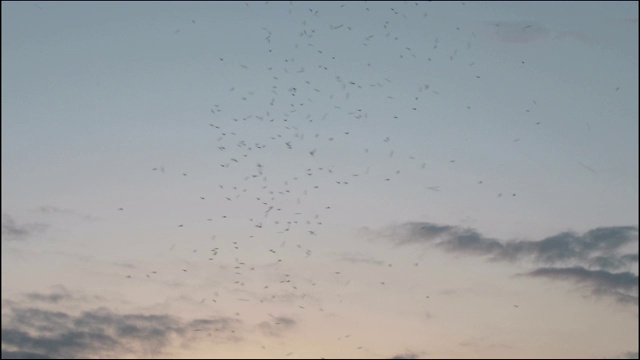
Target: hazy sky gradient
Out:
[320,179]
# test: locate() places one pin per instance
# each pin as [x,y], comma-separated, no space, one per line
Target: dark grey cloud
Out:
[630,258]
[589,258]
[14,231]
[618,285]
[30,332]
[23,355]
[597,246]
[408,355]
[604,247]
[71,344]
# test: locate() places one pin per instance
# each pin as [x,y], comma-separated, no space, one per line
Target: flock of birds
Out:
[313,113]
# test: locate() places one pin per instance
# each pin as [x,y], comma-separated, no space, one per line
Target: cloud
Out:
[59,294]
[23,355]
[13,231]
[276,326]
[50,298]
[629,355]
[30,332]
[601,282]
[598,247]
[48,209]
[51,325]
[428,315]
[359,259]
[589,258]
[407,355]
[285,321]
[602,247]
[282,296]
[626,355]
[53,210]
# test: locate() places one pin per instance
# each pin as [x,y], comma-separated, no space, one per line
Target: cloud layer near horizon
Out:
[41,325]
[58,334]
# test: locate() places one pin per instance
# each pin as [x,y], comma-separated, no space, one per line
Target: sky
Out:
[319,179]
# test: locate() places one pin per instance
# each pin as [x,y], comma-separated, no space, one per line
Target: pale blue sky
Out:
[421,149]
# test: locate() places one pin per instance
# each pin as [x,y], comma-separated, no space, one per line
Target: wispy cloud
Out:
[276,326]
[355,258]
[59,294]
[48,209]
[54,210]
[14,231]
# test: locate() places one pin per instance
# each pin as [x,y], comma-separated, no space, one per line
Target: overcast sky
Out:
[320,179]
